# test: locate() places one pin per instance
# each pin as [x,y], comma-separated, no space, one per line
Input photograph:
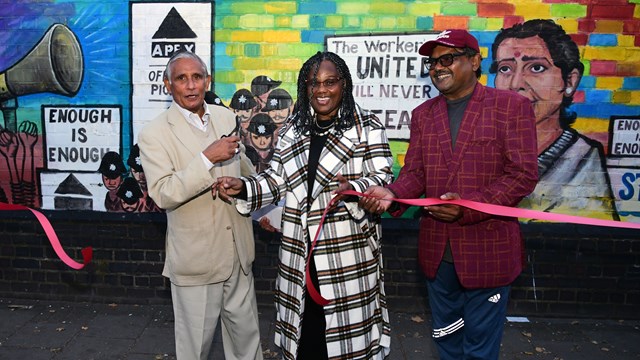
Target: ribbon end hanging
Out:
[315,295]
[87,255]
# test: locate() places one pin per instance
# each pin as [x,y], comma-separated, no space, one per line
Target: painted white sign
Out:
[389,76]
[625,137]
[72,191]
[77,137]
[625,183]
[158,30]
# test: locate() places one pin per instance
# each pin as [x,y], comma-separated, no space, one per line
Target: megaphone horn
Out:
[54,65]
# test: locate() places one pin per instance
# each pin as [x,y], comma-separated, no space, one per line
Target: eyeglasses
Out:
[445,60]
[329,83]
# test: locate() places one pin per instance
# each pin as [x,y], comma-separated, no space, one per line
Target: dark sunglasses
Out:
[445,60]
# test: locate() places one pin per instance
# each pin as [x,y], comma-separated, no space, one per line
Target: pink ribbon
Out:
[315,295]
[508,211]
[491,209]
[87,253]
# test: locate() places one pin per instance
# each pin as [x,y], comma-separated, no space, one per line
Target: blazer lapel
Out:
[220,126]
[337,151]
[184,133]
[441,123]
[182,130]
[465,133]
[295,163]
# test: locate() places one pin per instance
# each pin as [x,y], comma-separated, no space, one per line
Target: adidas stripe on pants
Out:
[467,323]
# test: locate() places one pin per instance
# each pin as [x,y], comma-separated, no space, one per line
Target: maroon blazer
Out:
[494,161]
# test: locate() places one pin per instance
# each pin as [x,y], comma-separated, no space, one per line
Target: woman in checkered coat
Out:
[329,144]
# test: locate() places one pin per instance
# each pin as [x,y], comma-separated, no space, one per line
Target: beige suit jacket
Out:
[201,231]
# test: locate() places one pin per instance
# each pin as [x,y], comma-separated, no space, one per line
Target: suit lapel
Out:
[184,133]
[441,123]
[337,151]
[220,126]
[465,133]
[295,161]
[182,130]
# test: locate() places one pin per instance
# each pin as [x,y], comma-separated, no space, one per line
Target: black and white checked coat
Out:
[347,254]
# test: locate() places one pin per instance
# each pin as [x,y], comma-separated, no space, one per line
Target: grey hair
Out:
[183,55]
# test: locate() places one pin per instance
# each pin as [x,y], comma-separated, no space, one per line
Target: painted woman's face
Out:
[326,95]
[526,66]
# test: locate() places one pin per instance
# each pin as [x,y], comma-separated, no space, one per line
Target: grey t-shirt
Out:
[455,109]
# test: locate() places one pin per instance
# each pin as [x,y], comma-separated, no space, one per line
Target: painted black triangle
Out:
[174,27]
[71,185]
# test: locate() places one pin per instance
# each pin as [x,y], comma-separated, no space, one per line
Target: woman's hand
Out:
[377,201]
[227,188]
[343,185]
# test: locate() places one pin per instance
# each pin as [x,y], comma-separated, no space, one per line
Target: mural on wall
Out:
[390,78]
[72,105]
[540,61]
[624,163]
[76,139]
[261,112]
[158,30]
[53,142]
[53,65]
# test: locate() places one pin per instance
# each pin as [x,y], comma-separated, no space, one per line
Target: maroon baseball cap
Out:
[451,38]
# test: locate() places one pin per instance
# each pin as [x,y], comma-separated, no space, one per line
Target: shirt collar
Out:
[193,118]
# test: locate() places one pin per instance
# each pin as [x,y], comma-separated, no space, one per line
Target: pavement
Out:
[40,329]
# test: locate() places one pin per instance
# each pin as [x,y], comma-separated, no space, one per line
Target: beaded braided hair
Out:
[303,117]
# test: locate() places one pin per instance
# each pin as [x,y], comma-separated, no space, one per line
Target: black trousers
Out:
[313,342]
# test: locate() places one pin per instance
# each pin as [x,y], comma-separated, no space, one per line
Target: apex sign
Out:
[159,30]
[163,49]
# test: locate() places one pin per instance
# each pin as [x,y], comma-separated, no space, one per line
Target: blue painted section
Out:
[631,83]
[316,7]
[314,36]
[603,40]
[597,96]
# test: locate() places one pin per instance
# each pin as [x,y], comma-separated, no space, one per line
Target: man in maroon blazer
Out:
[475,143]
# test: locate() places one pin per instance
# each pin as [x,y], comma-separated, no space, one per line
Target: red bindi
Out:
[517,54]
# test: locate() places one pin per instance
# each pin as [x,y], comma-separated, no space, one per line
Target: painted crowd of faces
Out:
[261,112]
[126,189]
[260,117]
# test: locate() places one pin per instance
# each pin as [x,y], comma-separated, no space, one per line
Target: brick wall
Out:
[573,271]
[583,271]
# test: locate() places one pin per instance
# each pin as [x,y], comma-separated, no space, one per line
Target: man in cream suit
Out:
[209,246]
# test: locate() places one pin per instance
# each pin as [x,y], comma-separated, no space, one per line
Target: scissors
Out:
[234,132]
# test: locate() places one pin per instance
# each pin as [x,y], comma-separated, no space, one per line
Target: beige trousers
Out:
[197,310]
